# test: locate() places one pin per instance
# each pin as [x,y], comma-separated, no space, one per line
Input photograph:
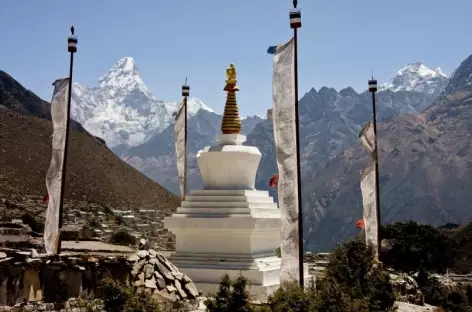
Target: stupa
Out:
[228,227]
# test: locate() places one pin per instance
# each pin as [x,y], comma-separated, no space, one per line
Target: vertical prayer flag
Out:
[59,115]
[180,146]
[368,189]
[283,116]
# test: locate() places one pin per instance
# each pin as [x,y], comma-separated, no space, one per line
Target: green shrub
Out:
[350,284]
[351,281]
[123,238]
[121,298]
[290,297]
[416,246]
[231,296]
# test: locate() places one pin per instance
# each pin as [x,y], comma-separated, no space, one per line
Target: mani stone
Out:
[180,290]
[133,258]
[137,267]
[165,296]
[161,283]
[140,280]
[177,275]
[143,253]
[192,289]
[148,270]
[151,283]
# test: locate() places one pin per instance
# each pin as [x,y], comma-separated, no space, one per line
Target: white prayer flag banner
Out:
[59,115]
[368,188]
[369,203]
[283,115]
[180,148]
[368,137]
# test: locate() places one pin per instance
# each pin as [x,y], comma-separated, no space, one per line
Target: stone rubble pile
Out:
[152,272]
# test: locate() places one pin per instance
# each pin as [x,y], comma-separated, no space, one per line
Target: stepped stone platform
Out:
[228,232]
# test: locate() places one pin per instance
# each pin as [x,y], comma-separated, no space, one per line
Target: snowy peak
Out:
[419,69]
[124,74]
[121,110]
[416,77]
[194,105]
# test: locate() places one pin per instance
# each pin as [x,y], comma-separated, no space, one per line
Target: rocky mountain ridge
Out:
[425,167]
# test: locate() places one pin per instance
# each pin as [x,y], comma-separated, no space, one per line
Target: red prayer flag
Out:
[46,198]
[360,224]
[274,181]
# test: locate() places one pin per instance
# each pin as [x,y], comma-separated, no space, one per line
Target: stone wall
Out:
[54,280]
[29,280]
[76,305]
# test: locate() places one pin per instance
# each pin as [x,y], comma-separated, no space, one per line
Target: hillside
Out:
[94,173]
[425,168]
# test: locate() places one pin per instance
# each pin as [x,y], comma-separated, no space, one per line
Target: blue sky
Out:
[339,44]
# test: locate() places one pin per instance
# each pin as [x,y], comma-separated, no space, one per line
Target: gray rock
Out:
[34,253]
[30,260]
[177,275]
[151,283]
[148,270]
[165,296]
[162,268]
[133,258]
[6,259]
[153,261]
[171,288]
[181,292]
[186,279]
[137,267]
[152,252]
[191,289]
[3,255]
[143,253]
[140,280]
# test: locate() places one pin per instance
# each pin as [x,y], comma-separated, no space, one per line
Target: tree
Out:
[123,238]
[416,246]
[34,224]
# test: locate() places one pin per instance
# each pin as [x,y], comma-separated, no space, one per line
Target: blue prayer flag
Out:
[272,49]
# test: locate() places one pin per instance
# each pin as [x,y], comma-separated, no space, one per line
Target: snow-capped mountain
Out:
[416,77]
[121,110]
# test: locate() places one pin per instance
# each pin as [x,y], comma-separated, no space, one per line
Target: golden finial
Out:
[231,122]
[231,74]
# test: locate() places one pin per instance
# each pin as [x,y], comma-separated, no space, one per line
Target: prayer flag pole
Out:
[72,48]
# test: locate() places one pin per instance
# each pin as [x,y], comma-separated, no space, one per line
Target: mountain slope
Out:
[94,173]
[425,167]
[15,97]
[121,110]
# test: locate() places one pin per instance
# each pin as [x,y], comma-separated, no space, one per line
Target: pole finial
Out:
[295,3]
[72,30]
[231,124]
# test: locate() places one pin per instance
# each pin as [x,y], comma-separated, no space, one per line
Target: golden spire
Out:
[231,122]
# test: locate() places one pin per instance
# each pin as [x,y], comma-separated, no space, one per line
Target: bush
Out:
[416,246]
[120,298]
[291,297]
[351,284]
[123,238]
[231,296]
[352,281]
